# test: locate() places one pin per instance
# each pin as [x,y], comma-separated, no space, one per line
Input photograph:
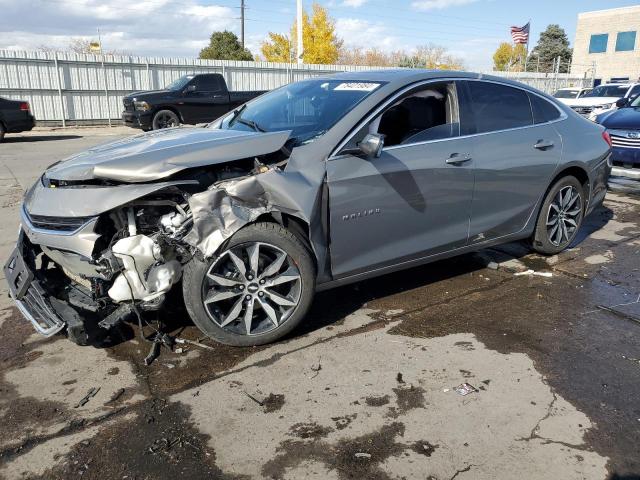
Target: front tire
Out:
[2,132]
[560,217]
[256,290]
[165,119]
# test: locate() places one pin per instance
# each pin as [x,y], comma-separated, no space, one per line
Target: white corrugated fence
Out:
[70,88]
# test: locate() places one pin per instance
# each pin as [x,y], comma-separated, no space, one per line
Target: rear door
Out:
[412,201]
[516,151]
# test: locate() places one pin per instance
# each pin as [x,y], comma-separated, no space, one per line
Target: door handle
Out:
[543,144]
[458,159]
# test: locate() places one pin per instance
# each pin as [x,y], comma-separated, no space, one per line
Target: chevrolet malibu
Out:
[317,184]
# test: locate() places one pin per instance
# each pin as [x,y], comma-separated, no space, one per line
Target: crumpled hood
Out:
[156,155]
[590,101]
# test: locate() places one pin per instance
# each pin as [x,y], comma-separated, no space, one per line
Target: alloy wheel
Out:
[251,288]
[166,120]
[563,218]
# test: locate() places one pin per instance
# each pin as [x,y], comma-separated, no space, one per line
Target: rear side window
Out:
[499,107]
[543,111]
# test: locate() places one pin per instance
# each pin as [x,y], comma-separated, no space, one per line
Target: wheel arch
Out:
[170,108]
[295,225]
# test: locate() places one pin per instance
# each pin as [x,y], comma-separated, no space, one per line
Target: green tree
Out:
[509,57]
[225,46]
[319,39]
[553,43]
[433,57]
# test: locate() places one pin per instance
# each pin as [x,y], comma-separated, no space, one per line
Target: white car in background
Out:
[571,93]
[603,98]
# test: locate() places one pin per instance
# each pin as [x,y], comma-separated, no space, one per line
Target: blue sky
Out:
[470,29]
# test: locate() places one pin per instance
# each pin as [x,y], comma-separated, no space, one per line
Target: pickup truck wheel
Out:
[165,119]
[255,291]
[560,217]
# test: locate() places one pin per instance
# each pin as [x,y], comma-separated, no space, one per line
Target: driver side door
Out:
[411,202]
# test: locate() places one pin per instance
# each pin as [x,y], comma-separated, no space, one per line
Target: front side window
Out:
[598,43]
[499,107]
[626,41]
[308,108]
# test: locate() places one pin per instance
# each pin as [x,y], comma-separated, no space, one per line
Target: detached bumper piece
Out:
[30,298]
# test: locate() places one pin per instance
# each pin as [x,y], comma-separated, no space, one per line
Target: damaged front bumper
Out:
[29,296]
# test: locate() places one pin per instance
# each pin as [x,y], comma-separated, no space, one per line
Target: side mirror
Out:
[622,102]
[371,145]
[190,89]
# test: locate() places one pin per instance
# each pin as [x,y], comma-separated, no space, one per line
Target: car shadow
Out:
[38,138]
[332,306]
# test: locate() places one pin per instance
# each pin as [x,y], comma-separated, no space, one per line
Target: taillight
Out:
[24,106]
[607,138]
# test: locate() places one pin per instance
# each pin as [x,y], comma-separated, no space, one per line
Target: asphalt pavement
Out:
[366,388]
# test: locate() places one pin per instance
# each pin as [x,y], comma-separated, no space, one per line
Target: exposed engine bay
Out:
[129,257]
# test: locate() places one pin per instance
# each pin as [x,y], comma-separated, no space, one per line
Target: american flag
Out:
[520,34]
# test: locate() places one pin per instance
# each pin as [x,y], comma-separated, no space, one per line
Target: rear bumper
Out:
[22,125]
[137,119]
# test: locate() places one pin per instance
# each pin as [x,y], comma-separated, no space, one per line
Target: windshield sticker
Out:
[359,86]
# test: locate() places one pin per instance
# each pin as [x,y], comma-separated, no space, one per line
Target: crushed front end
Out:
[85,272]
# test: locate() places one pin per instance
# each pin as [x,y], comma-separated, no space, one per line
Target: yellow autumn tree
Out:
[509,57]
[321,44]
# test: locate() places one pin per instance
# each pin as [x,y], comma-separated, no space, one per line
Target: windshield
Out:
[308,108]
[608,91]
[180,83]
[566,94]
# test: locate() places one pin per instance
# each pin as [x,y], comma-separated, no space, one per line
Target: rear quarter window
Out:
[543,110]
[499,107]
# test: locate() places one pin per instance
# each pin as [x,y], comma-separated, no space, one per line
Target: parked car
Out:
[191,99]
[623,125]
[603,98]
[15,117]
[571,93]
[317,184]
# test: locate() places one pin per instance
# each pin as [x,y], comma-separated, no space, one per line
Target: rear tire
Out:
[2,132]
[165,119]
[560,217]
[256,290]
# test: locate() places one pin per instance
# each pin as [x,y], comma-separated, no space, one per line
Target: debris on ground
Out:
[465,389]
[191,342]
[399,378]
[362,455]
[91,393]
[533,272]
[116,395]
[316,368]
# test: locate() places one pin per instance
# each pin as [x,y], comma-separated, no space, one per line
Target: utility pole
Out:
[300,47]
[242,22]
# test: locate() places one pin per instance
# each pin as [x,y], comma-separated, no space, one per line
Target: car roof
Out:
[398,77]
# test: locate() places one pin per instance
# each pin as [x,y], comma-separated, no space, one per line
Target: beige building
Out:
[608,39]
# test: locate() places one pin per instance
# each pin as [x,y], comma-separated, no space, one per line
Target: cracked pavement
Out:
[366,387]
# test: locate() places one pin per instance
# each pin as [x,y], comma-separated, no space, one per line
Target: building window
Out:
[626,42]
[598,43]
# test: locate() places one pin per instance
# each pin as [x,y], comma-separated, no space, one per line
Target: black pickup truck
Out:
[190,99]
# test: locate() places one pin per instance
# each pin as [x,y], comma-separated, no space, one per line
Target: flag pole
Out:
[526,55]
